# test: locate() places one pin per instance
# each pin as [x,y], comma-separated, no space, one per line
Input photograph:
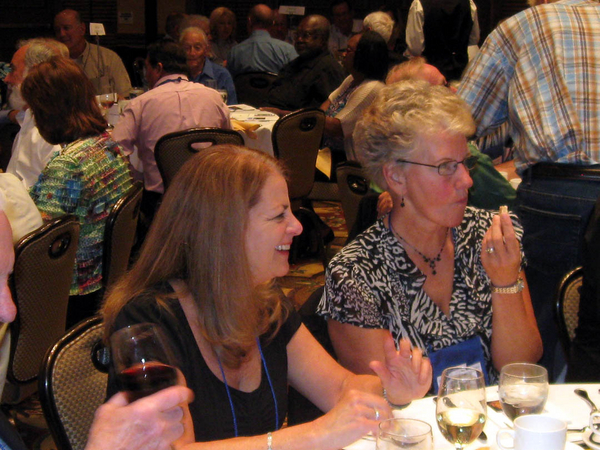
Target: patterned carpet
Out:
[308,275]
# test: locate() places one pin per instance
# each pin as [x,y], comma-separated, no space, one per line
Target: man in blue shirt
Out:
[260,52]
[202,69]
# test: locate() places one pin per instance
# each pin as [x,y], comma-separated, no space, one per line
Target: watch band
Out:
[512,289]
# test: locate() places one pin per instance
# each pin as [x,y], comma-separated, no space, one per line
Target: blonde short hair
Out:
[401,113]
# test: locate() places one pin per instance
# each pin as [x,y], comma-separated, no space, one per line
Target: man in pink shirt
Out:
[174,103]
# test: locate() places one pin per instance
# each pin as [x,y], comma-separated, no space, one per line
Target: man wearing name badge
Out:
[260,52]
[174,103]
[538,72]
[152,422]
[101,65]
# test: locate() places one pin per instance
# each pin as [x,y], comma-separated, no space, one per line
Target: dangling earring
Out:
[402,202]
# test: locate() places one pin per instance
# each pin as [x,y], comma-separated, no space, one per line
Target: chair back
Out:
[174,149]
[567,306]
[40,284]
[72,383]
[119,235]
[296,141]
[353,185]
[252,88]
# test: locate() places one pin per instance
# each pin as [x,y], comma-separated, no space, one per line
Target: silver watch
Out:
[512,289]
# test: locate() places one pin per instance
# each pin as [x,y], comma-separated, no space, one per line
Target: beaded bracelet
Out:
[393,405]
[269,441]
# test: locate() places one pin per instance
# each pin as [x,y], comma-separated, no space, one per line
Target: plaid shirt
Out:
[540,71]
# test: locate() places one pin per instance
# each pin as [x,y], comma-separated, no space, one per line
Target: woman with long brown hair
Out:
[205,274]
[86,178]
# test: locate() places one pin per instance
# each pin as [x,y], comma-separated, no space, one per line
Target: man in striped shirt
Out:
[539,72]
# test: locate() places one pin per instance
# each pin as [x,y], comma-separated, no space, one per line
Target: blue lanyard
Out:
[173,80]
[262,358]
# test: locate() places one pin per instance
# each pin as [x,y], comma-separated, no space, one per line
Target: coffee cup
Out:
[534,432]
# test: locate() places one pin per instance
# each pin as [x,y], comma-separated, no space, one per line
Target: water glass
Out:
[402,433]
[523,389]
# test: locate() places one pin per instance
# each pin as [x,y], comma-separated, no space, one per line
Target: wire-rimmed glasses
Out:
[447,168]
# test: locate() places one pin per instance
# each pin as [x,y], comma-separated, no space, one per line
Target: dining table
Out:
[258,138]
[562,403]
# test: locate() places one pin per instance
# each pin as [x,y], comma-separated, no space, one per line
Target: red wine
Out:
[146,379]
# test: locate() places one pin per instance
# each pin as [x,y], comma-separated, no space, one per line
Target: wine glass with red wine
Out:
[143,360]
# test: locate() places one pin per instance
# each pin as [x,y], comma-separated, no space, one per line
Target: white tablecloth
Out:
[266,120]
[562,403]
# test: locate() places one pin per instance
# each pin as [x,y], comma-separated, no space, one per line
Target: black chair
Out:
[174,149]
[252,88]
[72,383]
[296,141]
[567,306]
[119,235]
[353,185]
[40,284]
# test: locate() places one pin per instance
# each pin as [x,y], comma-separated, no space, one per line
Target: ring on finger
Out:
[490,250]
[377,415]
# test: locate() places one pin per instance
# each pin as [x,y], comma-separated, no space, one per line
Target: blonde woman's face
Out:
[224,28]
[270,230]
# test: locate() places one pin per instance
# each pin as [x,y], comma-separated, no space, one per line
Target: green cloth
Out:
[490,189]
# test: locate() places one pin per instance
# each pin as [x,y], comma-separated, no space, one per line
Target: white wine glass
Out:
[404,433]
[523,389]
[461,406]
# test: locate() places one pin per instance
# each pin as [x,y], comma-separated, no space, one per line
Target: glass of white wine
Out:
[460,406]
[523,389]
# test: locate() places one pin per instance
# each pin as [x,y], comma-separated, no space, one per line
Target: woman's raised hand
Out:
[405,374]
[501,252]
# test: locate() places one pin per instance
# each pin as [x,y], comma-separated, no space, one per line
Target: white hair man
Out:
[30,152]
[381,23]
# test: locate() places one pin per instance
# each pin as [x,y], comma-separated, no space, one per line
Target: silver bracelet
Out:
[269,441]
[393,405]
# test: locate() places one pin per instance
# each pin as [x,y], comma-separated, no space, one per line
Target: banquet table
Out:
[562,403]
[261,140]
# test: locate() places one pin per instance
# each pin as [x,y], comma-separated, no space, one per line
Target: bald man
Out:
[308,80]
[260,52]
[102,66]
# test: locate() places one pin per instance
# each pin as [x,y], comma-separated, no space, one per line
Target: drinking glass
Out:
[403,433]
[523,389]
[143,360]
[460,405]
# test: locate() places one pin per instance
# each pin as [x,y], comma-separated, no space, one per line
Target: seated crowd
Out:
[433,274]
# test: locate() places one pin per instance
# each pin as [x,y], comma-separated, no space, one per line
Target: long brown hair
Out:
[63,102]
[198,236]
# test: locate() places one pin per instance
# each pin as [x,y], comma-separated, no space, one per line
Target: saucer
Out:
[590,440]
[572,446]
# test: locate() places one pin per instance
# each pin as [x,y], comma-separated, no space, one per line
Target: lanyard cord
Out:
[235,425]
[174,80]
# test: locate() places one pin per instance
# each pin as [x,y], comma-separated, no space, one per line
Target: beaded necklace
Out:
[262,358]
[429,261]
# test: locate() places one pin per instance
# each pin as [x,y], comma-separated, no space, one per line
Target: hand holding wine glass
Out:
[523,389]
[143,360]
[461,406]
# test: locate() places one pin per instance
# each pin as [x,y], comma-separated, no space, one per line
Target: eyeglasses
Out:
[347,50]
[447,168]
[306,35]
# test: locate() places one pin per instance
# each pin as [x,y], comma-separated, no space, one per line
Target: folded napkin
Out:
[246,127]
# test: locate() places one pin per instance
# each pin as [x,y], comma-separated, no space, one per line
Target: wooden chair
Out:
[119,235]
[174,149]
[72,383]
[296,141]
[252,88]
[567,306]
[40,284]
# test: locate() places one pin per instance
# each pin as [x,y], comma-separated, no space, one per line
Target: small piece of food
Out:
[503,209]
